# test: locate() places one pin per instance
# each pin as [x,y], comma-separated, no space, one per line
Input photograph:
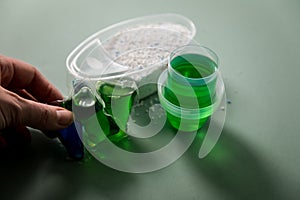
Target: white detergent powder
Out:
[144,49]
[163,35]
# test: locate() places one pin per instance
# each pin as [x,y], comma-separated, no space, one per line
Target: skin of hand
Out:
[24,94]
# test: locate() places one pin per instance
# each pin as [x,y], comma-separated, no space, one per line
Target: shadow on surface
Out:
[41,171]
[233,168]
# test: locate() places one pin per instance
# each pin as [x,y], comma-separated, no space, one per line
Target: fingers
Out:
[15,110]
[17,75]
[45,117]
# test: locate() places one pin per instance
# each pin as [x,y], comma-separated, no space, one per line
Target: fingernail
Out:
[64,117]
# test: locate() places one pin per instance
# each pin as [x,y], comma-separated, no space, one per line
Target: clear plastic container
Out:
[190,90]
[189,119]
[137,48]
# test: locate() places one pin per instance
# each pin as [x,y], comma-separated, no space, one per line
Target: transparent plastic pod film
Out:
[88,113]
[118,96]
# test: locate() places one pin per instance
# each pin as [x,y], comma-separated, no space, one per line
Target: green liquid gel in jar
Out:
[191,84]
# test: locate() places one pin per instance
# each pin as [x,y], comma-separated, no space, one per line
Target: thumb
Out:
[44,117]
[15,110]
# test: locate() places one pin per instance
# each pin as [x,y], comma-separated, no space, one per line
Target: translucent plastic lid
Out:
[130,47]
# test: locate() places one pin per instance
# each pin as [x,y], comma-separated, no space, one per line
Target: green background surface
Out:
[257,156]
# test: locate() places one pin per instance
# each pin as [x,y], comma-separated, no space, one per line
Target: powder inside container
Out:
[145,45]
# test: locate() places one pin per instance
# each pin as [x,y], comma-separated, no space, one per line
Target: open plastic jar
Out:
[136,48]
[189,90]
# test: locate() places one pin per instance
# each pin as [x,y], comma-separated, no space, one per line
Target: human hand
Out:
[23,94]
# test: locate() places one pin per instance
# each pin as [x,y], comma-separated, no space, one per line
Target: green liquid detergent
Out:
[89,112]
[96,118]
[118,100]
[191,85]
